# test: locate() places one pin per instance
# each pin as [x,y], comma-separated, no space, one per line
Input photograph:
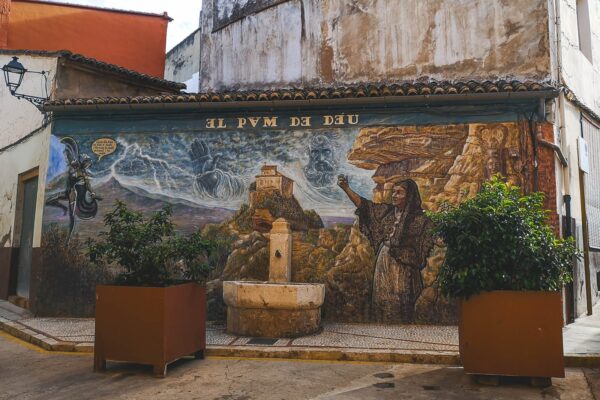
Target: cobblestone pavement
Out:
[580,338]
[30,373]
[356,336]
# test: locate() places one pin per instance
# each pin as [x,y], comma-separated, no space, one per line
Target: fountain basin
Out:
[273,310]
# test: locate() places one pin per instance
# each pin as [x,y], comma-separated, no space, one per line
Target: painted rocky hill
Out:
[338,256]
[267,206]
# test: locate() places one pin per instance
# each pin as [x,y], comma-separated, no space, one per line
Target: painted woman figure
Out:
[399,233]
[82,201]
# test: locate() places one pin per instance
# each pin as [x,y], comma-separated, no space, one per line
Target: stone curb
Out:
[336,354]
[296,353]
[39,339]
[582,360]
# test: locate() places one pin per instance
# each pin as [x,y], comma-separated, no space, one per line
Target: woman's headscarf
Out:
[413,198]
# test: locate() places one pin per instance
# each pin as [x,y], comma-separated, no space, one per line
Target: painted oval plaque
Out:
[103,147]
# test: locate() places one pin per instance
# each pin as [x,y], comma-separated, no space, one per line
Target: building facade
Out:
[130,39]
[25,148]
[266,44]
[183,62]
[428,99]
[214,159]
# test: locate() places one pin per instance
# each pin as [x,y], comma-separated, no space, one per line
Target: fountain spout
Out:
[280,246]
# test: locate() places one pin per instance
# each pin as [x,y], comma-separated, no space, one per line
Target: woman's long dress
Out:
[402,242]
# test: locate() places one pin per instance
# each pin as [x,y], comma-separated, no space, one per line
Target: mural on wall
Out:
[354,197]
[80,199]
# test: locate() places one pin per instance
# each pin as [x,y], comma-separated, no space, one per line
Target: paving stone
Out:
[11,316]
[84,347]
[50,342]
[63,346]
[29,332]
[76,339]
[61,327]
[40,336]
[219,337]
[6,306]
[21,334]
[12,324]
[384,337]
[244,341]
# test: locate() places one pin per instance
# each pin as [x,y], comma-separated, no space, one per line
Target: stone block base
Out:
[273,323]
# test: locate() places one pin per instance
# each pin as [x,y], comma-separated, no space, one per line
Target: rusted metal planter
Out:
[149,325]
[512,333]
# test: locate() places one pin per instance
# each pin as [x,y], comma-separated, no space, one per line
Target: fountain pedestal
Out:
[278,308]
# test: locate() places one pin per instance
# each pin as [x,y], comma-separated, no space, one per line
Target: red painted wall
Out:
[132,40]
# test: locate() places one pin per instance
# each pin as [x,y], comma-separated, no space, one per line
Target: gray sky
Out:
[185,13]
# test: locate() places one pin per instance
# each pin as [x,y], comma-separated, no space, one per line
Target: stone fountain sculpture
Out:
[277,308]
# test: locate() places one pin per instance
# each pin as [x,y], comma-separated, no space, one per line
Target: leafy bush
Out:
[499,240]
[65,286]
[149,250]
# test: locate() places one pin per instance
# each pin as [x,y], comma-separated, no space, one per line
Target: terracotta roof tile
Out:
[433,88]
[101,65]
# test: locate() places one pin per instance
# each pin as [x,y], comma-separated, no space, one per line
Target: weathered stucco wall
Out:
[336,42]
[14,161]
[582,76]
[183,62]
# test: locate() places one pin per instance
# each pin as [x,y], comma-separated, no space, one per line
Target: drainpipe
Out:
[571,301]
[567,201]
[561,100]
[552,146]
[584,226]
[534,145]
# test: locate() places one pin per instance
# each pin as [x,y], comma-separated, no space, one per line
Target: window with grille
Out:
[591,134]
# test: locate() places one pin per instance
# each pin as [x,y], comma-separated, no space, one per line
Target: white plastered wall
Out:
[19,117]
[582,76]
[21,151]
[14,161]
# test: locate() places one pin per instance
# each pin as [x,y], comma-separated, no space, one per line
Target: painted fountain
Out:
[277,308]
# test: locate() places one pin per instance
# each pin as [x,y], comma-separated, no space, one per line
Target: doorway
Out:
[27,199]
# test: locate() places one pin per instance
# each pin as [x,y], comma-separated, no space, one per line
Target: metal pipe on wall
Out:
[586,237]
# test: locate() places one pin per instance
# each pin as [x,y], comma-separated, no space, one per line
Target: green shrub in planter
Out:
[499,240]
[149,250]
[156,313]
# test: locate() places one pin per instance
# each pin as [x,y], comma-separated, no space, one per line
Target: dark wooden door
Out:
[26,242]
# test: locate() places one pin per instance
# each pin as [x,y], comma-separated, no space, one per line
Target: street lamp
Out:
[14,72]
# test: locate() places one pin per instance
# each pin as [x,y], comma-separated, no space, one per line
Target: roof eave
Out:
[164,15]
[140,81]
[384,101]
